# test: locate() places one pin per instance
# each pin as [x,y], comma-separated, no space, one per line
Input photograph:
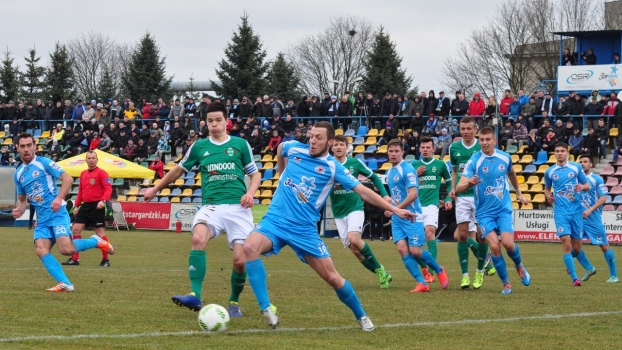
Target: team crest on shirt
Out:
[483,229]
[396,178]
[320,170]
[303,190]
[496,190]
[571,175]
[297,159]
[35,173]
[351,169]
[560,229]
[434,169]
[555,177]
[230,152]
[501,167]
[92,181]
[485,170]
[21,179]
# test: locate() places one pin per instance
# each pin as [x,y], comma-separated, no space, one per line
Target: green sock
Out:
[482,251]
[421,263]
[472,245]
[370,259]
[197,265]
[237,285]
[432,248]
[463,256]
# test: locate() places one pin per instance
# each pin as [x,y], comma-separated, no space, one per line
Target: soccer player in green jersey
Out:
[223,160]
[459,154]
[349,214]
[430,172]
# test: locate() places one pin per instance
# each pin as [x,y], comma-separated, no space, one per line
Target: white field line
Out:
[301,329]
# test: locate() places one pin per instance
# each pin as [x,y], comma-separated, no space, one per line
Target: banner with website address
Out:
[596,77]
[539,226]
[147,216]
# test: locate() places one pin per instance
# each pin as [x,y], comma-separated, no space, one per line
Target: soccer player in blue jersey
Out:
[308,176]
[409,236]
[35,181]
[488,171]
[564,183]
[593,227]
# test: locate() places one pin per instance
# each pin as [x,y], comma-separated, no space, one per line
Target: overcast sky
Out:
[193,33]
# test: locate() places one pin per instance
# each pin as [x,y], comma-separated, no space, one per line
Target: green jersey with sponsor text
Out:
[430,180]
[459,155]
[222,168]
[344,202]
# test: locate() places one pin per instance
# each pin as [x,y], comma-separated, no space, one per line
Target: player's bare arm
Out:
[247,200]
[452,193]
[169,178]
[514,181]
[67,182]
[371,197]
[549,195]
[20,206]
[466,182]
[599,203]
[281,161]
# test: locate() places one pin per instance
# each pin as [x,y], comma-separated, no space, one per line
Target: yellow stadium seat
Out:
[45,134]
[383,149]
[386,166]
[350,140]
[275,184]
[571,157]
[515,206]
[527,196]
[370,141]
[526,159]
[372,132]
[539,198]
[157,181]
[523,188]
[187,192]
[542,168]
[532,180]
[536,188]
[339,132]
[7,142]
[175,200]
[169,166]
[178,182]
[515,158]
[265,202]
[266,194]
[359,149]
[132,199]
[381,132]
[197,183]
[446,158]
[400,133]
[265,150]
[268,165]
[257,194]
[521,179]
[165,192]
[197,176]
[276,176]
[266,184]
[266,158]
[132,192]
[552,160]
[2,134]
[517,168]
[612,133]
[121,198]
[522,149]
[542,181]
[527,206]
[513,197]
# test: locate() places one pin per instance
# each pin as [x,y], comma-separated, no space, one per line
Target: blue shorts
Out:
[595,231]
[304,240]
[569,225]
[502,222]
[404,229]
[55,226]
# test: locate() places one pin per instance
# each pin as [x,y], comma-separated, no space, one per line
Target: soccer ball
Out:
[213,318]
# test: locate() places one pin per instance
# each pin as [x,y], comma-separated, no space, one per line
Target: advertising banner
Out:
[150,216]
[184,213]
[596,77]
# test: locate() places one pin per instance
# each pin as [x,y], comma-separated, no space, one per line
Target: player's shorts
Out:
[304,240]
[430,216]
[90,216]
[232,219]
[502,222]
[404,229]
[569,224]
[595,231]
[353,222]
[57,225]
[465,210]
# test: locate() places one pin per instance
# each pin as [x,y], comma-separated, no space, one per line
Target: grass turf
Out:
[118,306]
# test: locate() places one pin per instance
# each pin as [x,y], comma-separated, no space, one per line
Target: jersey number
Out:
[322,248]
[60,230]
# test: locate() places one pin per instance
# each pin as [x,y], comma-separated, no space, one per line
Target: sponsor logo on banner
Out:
[184,213]
[596,77]
[149,216]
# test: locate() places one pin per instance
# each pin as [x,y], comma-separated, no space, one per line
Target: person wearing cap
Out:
[89,113]
[152,143]
[292,109]
[389,134]
[10,112]
[265,110]
[441,123]
[459,106]
[374,110]
[30,117]
[443,105]
[506,133]
[444,140]
[332,108]
[477,107]
[245,109]
[519,137]
[162,148]
[119,141]
[129,152]
[324,104]
[549,140]
[430,125]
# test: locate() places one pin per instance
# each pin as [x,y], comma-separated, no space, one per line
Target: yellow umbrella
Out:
[115,167]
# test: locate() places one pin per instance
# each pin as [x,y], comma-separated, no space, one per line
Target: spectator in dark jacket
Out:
[412,143]
[592,109]
[375,111]
[602,133]
[460,105]
[432,103]
[389,134]
[576,142]
[245,109]
[303,108]
[417,123]
[506,133]
[590,144]
[325,103]
[361,104]
[288,124]
[561,108]
[443,106]
[534,143]
[315,106]
[416,106]
[256,142]
[388,106]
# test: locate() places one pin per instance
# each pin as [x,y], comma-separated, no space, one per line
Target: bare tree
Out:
[332,59]
[93,54]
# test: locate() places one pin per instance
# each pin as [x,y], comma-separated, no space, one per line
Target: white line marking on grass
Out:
[300,329]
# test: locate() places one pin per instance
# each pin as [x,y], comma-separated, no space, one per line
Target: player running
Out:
[488,173]
[593,227]
[348,210]
[223,160]
[459,154]
[309,174]
[90,208]
[35,181]
[408,236]
[430,172]
[562,184]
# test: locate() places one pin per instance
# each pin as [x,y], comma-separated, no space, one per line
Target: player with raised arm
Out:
[35,181]
[459,154]
[308,175]
[349,214]
[593,227]
[430,172]
[488,173]
[563,183]
[222,160]
[409,236]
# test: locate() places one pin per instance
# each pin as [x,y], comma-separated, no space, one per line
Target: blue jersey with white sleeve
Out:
[492,195]
[37,180]
[305,184]
[561,180]
[401,177]
[589,198]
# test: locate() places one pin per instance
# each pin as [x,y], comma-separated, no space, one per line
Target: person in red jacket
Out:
[94,142]
[477,107]
[90,207]
[274,142]
[157,166]
[507,100]
[147,110]
[229,125]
